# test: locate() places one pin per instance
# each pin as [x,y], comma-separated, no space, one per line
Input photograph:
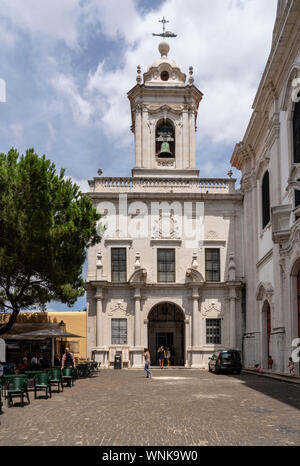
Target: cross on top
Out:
[165,33]
[163,21]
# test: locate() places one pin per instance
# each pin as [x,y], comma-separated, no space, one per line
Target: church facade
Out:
[169,269]
[269,159]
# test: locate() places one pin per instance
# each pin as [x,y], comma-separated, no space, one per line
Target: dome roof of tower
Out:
[152,77]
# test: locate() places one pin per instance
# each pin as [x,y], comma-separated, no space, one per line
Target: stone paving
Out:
[175,407]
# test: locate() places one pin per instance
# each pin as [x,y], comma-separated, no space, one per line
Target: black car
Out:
[225,361]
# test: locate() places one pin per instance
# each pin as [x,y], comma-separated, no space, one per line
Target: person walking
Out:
[291,366]
[161,356]
[147,363]
[169,356]
[68,359]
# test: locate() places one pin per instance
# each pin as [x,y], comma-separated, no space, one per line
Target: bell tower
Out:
[164,110]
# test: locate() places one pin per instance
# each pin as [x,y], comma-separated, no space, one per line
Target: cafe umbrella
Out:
[52,333]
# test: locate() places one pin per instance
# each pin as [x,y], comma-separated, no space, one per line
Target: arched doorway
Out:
[266,332]
[166,328]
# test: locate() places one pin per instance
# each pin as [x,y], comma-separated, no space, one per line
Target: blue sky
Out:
[69,64]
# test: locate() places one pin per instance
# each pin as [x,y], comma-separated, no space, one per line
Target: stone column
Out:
[192,160]
[99,320]
[185,139]
[187,340]
[195,321]
[232,300]
[145,139]
[138,137]
[137,317]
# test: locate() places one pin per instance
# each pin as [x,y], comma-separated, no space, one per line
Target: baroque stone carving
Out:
[212,235]
[117,308]
[212,307]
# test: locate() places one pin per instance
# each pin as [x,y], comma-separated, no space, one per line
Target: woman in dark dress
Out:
[161,356]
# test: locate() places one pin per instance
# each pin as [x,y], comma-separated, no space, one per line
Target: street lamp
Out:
[62,327]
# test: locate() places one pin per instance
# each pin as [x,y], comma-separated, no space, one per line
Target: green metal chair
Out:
[42,382]
[18,388]
[68,376]
[95,368]
[56,377]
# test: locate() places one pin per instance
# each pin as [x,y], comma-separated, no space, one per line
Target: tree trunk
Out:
[4,328]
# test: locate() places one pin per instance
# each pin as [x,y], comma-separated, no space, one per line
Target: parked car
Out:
[225,361]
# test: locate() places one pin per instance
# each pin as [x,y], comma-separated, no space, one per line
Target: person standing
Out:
[270,362]
[169,356]
[68,359]
[35,362]
[291,366]
[161,356]
[147,363]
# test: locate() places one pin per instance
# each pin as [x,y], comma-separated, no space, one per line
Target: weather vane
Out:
[165,33]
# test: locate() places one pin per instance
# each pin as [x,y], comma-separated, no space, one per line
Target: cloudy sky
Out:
[68,65]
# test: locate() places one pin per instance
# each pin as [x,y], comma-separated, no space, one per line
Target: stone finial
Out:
[99,265]
[138,78]
[194,261]
[231,267]
[137,264]
[100,171]
[191,78]
[163,49]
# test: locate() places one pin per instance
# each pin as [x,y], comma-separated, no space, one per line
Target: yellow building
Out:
[75,323]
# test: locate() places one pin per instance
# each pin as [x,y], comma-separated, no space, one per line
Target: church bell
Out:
[165,150]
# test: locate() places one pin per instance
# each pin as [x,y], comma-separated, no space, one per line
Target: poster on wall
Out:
[112,353]
[125,354]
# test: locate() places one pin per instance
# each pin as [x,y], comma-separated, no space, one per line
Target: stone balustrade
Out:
[128,184]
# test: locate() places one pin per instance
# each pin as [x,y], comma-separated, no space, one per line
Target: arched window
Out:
[296,132]
[165,139]
[265,199]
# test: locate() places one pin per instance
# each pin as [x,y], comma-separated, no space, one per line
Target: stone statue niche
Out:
[165,140]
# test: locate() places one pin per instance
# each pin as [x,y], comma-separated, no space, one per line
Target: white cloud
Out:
[82,109]
[226,41]
[54,19]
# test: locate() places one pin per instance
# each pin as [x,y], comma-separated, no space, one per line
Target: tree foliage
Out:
[46,223]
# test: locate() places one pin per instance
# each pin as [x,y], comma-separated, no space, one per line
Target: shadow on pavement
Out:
[285,392]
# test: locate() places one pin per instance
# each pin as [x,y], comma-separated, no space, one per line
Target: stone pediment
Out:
[212,308]
[164,109]
[117,309]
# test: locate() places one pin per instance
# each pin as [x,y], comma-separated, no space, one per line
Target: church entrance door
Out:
[166,328]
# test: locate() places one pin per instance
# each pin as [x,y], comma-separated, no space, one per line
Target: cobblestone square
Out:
[175,407]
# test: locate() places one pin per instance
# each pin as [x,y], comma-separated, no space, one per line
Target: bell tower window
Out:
[165,140]
[164,76]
